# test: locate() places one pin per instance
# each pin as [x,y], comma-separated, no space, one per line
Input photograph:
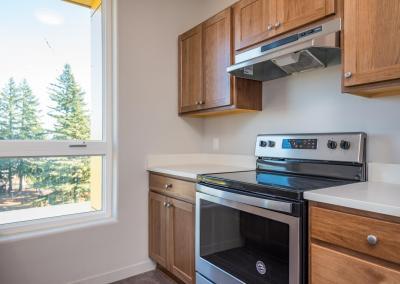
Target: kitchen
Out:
[151,135]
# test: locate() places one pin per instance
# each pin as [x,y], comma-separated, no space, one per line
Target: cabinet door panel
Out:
[371,41]
[190,70]
[157,228]
[181,240]
[330,266]
[292,14]
[217,57]
[252,18]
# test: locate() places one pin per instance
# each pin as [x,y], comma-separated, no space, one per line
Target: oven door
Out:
[239,241]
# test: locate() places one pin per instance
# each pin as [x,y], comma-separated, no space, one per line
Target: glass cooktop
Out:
[269,183]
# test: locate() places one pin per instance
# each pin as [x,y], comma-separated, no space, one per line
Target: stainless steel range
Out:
[251,227]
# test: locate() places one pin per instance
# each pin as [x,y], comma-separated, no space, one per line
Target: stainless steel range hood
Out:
[312,48]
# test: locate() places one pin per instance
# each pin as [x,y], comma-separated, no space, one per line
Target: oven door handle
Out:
[280,206]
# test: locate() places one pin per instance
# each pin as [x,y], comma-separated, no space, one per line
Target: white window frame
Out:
[49,148]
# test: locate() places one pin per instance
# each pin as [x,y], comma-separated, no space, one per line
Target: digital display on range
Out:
[299,144]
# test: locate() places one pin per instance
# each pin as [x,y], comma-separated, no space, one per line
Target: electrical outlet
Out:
[215,144]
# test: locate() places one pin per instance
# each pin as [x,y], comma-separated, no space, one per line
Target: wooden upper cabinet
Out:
[254,20]
[291,14]
[158,228]
[371,42]
[258,20]
[190,70]
[217,56]
[181,240]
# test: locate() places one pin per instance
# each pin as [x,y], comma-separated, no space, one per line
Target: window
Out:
[55,113]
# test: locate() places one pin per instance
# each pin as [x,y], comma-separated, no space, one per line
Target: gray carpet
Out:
[151,277]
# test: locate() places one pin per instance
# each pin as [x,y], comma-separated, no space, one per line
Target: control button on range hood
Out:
[310,49]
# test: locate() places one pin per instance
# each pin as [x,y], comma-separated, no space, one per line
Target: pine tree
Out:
[9,117]
[69,112]
[29,126]
[71,123]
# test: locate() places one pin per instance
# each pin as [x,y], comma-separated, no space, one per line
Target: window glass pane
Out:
[51,71]
[35,188]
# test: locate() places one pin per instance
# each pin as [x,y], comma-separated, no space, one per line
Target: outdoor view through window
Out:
[50,55]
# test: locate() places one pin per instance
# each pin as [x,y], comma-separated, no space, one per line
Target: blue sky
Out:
[38,37]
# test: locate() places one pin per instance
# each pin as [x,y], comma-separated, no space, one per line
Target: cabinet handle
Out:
[372,240]
[269,27]
[165,204]
[277,24]
[201,102]
[169,205]
[347,75]
[168,186]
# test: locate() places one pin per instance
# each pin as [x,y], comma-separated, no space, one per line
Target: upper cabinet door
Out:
[371,41]
[217,57]
[291,14]
[254,22]
[191,71]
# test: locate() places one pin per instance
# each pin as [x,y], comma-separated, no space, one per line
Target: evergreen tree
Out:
[69,110]
[71,123]
[29,127]
[9,117]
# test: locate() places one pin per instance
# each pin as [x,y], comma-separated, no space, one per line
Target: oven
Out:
[247,239]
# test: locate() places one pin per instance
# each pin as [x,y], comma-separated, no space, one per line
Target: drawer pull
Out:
[372,240]
[168,186]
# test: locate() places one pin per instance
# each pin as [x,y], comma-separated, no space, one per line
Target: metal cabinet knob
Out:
[348,74]
[168,186]
[168,205]
[201,102]
[372,240]
[269,27]
[165,204]
[277,24]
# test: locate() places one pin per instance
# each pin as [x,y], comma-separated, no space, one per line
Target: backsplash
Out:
[311,102]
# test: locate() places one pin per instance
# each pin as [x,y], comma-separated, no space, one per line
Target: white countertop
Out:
[192,165]
[378,197]
[191,171]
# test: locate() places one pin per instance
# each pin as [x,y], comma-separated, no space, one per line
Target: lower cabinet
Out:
[171,235]
[352,246]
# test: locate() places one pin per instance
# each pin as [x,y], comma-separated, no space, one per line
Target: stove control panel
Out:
[310,144]
[346,147]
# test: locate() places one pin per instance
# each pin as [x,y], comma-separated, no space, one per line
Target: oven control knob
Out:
[263,143]
[345,145]
[332,144]
[271,143]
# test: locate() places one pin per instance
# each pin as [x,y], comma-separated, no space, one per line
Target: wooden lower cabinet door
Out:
[158,228]
[331,266]
[181,240]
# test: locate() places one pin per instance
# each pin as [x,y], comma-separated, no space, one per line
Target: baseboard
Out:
[118,274]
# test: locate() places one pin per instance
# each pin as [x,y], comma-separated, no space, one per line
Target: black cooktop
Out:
[269,184]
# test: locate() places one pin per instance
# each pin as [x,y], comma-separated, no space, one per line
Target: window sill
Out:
[49,220]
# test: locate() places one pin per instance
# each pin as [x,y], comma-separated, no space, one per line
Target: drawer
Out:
[330,266]
[351,231]
[176,188]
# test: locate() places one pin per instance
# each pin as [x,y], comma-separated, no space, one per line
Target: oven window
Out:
[249,247]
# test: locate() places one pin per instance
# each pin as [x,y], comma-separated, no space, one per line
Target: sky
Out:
[38,37]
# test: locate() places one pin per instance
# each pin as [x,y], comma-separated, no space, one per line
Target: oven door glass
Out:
[250,247]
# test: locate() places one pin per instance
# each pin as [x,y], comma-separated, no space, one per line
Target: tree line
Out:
[21,119]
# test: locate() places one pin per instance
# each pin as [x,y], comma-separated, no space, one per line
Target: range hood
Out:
[312,48]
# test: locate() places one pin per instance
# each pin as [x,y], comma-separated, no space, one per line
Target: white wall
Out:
[311,102]
[148,123]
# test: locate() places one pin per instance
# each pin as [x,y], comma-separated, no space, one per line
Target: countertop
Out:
[378,197]
[193,170]
[191,165]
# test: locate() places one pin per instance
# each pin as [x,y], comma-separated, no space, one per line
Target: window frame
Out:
[54,148]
